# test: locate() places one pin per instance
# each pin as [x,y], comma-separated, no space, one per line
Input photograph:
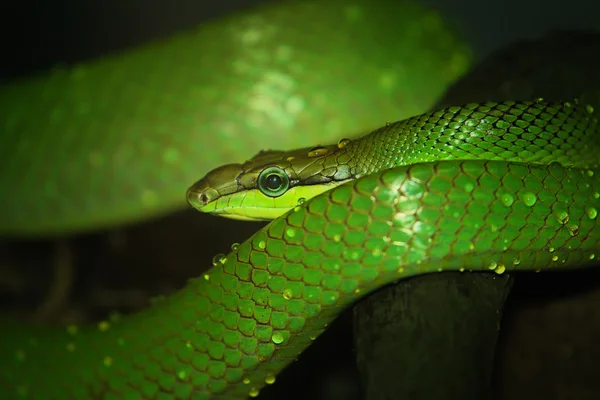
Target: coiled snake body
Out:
[492,187]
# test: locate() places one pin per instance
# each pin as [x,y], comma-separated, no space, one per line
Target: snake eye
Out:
[273,181]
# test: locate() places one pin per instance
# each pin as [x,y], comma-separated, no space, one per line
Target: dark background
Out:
[38,34]
[548,348]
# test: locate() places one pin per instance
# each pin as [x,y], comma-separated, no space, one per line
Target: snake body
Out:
[494,186]
[231,330]
[210,96]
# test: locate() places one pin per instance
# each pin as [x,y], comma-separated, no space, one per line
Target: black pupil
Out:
[273,182]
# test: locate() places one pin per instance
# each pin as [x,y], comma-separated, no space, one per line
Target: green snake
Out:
[491,186]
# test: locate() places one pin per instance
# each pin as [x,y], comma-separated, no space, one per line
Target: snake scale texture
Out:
[490,186]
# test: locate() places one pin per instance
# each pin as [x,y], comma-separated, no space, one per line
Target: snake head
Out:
[272,182]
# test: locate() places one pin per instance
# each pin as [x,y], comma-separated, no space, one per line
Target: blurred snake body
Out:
[489,187]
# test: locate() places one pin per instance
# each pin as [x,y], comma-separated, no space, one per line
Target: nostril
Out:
[200,197]
[203,198]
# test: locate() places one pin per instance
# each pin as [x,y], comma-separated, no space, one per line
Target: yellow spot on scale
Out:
[343,143]
[219,259]
[246,381]
[254,392]
[507,199]
[287,294]
[290,232]
[182,375]
[270,379]
[318,152]
[529,199]
[500,269]
[573,230]
[277,338]
[592,213]
[206,277]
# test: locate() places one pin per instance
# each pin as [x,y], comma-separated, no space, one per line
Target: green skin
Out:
[498,186]
[117,140]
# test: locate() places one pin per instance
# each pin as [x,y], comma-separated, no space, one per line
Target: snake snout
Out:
[218,182]
[198,198]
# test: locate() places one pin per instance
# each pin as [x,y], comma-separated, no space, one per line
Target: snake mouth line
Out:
[253,205]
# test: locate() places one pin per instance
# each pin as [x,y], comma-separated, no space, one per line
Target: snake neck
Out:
[536,131]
